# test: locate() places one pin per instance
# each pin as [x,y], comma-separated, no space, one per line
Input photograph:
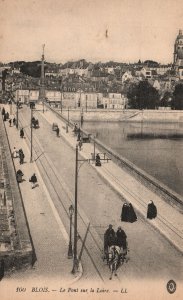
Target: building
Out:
[114,101]
[22,95]
[178,55]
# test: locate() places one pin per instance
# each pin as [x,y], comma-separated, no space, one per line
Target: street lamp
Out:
[75,259]
[31,134]
[17,115]
[71,212]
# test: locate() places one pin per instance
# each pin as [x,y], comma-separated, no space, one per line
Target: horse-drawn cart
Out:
[114,255]
[35,123]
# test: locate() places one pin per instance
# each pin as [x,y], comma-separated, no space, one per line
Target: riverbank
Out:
[105,115]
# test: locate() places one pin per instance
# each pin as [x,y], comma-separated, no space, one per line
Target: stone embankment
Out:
[106,115]
[15,241]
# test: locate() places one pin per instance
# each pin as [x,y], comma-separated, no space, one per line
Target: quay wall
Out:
[152,183]
[21,253]
[105,115]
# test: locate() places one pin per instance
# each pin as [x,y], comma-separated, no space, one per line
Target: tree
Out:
[143,96]
[166,99]
[177,102]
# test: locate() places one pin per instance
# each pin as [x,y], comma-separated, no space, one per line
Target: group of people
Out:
[77,132]
[128,213]
[6,117]
[112,238]
[33,179]
[18,153]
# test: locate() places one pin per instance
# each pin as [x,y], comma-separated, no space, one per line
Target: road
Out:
[151,256]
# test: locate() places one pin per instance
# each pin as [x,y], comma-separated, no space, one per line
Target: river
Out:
[155,148]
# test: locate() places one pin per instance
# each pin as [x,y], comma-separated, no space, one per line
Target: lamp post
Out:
[68,117]
[43,105]
[75,259]
[31,135]
[71,211]
[17,115]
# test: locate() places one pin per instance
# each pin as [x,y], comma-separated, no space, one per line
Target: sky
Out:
[96,30]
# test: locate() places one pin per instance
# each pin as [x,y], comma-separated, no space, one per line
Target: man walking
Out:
[33,180]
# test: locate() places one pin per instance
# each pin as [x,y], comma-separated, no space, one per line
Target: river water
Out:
[155,148]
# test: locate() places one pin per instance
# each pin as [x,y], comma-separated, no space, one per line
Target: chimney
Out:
[180,32]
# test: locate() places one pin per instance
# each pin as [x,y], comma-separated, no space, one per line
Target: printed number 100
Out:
[20,289]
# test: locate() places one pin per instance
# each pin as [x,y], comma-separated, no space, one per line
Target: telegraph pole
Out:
[42,81]
[17,116]
[75,260]
[31,135]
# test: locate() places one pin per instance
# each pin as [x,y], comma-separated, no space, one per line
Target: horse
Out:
[113,259]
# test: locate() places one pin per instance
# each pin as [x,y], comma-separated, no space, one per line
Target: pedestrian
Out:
[3,111]
[19,176]
[97,160]
[128,214]
[14,152]
[21,133]
[80,143]
[33,180]
[21,156]
[4,117]
[57,131]
[7,115]
[14,121]
[151,210]
[10,120]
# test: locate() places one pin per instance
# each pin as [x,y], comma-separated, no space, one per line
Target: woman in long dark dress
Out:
[128,214]
[151,210]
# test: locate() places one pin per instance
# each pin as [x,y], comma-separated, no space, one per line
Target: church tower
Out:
[42,82]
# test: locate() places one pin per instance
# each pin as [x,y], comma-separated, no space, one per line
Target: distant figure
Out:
[10,120]
[75,128]
[21,133]
[57,131]
[97,160]
[121,238]
[21,156]
[3,111]
[132,214]
[128,214]
[14,152]
[33,180]
[14,121]
[109,238]
[4,117]
[7,115]
[151,210]
[124,213]
[80,143]
[19,176]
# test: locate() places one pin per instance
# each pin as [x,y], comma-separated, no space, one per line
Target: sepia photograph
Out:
[91,149]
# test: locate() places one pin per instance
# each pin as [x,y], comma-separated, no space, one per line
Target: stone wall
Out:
[16,249]
[106,115]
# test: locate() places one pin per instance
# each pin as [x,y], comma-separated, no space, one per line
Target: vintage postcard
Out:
[91,138]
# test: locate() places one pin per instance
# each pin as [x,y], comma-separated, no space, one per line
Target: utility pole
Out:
[31,134]
[42,81]
[17,116]
[75,260]
[68,117]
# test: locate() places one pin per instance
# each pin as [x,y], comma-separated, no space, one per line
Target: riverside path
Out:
[151,254]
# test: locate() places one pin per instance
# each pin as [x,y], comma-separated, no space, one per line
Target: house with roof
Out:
[126,76]
[114,101]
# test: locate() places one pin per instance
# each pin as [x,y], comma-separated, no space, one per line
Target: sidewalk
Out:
[50,238]
[169,220]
